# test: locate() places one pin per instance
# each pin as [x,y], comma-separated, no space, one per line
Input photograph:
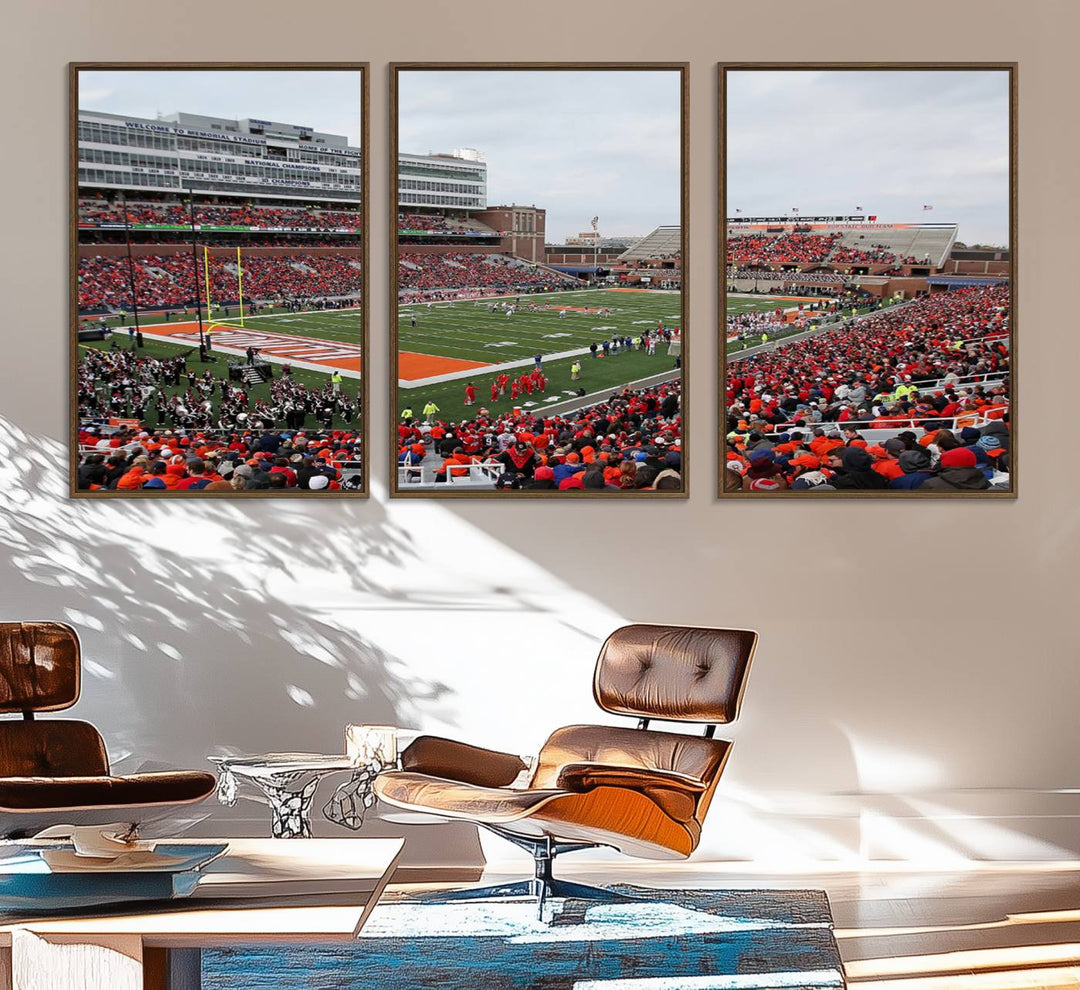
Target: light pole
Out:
[131,264]
[596,249]
[195,267]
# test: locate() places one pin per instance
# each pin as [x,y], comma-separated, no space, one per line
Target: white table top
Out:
[306,876]
[281,763]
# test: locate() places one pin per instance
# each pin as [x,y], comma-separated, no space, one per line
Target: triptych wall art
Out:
[539,330]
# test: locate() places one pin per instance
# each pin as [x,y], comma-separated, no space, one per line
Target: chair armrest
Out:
[675,793]
[453,760]
[585,776]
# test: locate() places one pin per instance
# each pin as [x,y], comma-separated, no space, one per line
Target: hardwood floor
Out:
[986,927]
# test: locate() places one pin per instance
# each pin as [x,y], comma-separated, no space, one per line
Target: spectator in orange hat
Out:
[886,458]
[136,476]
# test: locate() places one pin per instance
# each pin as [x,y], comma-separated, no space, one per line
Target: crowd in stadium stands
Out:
[745,252]
[659,261]
[934,375]
[630,442]
[226,462]
[879,254]
[433,224]
[656,278]
[163,281]
[421,272]
[422,221]
[795,277]
[211,215]
[253,214]
[221,239]
[762,249]
[123,384]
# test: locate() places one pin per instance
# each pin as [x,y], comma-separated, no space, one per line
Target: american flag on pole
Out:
[927,207]
[595,222]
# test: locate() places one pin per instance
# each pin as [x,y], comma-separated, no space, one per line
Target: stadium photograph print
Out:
[218,280]
[539,217]
[867,229]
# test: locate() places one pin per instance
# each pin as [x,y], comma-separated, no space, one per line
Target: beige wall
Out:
[918,661]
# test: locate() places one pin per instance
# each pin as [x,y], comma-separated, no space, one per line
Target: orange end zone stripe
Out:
[412,367]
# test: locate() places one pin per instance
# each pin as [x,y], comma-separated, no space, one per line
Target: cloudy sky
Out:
[325,101]
[890,142]
[578,144]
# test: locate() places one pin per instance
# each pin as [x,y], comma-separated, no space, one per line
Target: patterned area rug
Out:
[660,940]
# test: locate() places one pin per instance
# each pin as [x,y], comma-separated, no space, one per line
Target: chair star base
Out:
[543,884]
[540,891]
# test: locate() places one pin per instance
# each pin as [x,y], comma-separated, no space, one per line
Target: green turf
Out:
[468,329]
[737,306]
[338,325]
[465,330]
[597,375]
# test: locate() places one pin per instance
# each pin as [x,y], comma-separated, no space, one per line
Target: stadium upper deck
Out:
[191,152]
[664,242]
[444,181]
[851,246]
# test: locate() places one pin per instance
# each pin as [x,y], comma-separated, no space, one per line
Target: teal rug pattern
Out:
[659,940]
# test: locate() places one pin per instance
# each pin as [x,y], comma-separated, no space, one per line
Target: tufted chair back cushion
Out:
[51,748]
[678,673]
[39,666]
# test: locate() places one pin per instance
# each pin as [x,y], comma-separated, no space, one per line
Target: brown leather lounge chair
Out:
[643,792]
[56,771]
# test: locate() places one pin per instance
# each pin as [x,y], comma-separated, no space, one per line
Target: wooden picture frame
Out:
[402,490]
[725,484]
[345,469]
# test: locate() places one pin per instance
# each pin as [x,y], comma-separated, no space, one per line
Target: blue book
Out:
[45,880]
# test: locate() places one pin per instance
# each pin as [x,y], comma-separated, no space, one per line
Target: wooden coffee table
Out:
[261,890]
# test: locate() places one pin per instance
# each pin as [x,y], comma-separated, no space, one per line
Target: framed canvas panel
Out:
[868,280]
[537,270]
[218,279]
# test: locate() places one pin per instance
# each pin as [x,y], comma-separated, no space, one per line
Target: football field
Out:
[453,344]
